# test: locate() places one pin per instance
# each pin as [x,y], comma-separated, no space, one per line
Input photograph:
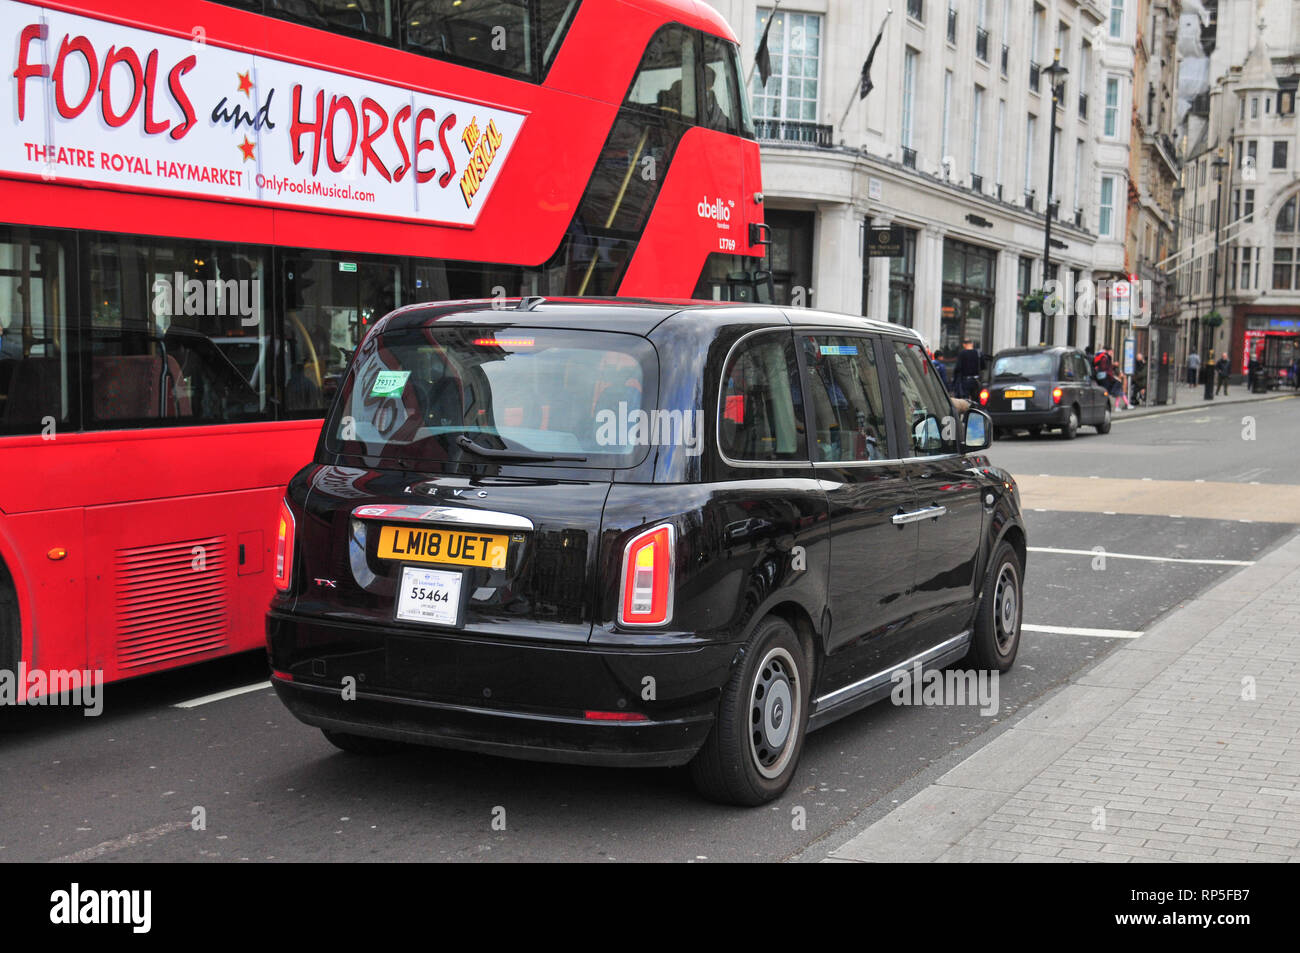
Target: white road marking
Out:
[221,696]
[130,840]
[1097,633]
[1154,559]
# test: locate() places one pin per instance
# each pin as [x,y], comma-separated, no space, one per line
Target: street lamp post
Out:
[1179,292]
[1218,164]
[1056,82]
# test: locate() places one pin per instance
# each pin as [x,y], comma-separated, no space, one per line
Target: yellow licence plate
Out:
[1018,393]
[460,547]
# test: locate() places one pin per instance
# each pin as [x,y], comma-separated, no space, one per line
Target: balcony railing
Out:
[1083,105]
[952,25]
[909,157]
[1029,201]
[982,44]
[977,183]
[915,10]
[782,130]
[1034,72]
[1078,218]
[998,187]
[1006,58]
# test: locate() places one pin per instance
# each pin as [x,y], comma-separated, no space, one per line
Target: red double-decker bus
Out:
[203,205]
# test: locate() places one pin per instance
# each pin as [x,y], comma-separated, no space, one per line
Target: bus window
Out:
[721,94]
[330,302]
[367,18]
[177,333]
[665,80]
[492,34]
[37,393]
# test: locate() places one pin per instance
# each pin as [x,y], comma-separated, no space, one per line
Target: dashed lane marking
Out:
[1154,559]
[1095,633]
[221,696]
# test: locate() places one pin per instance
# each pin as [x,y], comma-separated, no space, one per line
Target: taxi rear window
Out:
[533,393]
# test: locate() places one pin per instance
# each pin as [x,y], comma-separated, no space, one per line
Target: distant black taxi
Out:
[636,533]
[1033,388]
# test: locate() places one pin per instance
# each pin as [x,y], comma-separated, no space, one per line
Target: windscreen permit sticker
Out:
[389,384]
[839,350]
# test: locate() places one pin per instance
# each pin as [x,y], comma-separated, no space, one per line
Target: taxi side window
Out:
[848,408]
[929,414]
[760,412]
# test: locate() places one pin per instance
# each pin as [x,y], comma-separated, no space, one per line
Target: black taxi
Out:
[1033,388]
[627,532]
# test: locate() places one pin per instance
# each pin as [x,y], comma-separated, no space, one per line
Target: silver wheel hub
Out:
[1006,608]
[774,712]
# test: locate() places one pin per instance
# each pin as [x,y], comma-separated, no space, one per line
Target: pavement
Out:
[1193,398]
[1179,746]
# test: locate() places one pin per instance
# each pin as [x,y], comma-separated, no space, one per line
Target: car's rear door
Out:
[948,507]
[855,453]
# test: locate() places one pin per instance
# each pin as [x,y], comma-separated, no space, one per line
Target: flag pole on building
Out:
[762,58]
[864,84]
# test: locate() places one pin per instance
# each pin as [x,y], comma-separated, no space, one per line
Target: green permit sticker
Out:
[389,384]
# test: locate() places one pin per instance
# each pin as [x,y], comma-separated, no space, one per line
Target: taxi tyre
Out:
[1071,428]
[738,763]
[1104,426]
[996,639]
[360,744]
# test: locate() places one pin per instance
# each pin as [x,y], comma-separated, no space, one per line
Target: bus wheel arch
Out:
[11,628]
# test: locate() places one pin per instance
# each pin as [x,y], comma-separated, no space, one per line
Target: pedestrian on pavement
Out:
[966,371]
[941,369]
[1295,373]
[1222,369]
[1193,368]
[1255,370]
[1139,380]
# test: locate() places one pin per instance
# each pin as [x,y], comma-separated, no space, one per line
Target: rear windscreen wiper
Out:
[469,444]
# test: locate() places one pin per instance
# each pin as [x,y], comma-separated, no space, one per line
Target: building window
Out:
[1111,126]
[1117,19]
[902,281]
[1286,217]
[915,10]
[1254,107]
[997,144]
[795,48]
[1030,123]
[909,94]
[1279,153]
[1024,276]
[968,295]
[1243,210]
[1286,102]
[976,118]
[1282,269]
[1107,208]
[947,110]
[1078,174]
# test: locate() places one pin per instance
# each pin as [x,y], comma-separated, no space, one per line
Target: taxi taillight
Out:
[984,396]
[1056,395]
[647,578]
[284,548]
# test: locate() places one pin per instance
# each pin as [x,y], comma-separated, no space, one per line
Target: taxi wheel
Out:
[753,751]
[360,744]
[1104,426]
[1071,428]
[997,625]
